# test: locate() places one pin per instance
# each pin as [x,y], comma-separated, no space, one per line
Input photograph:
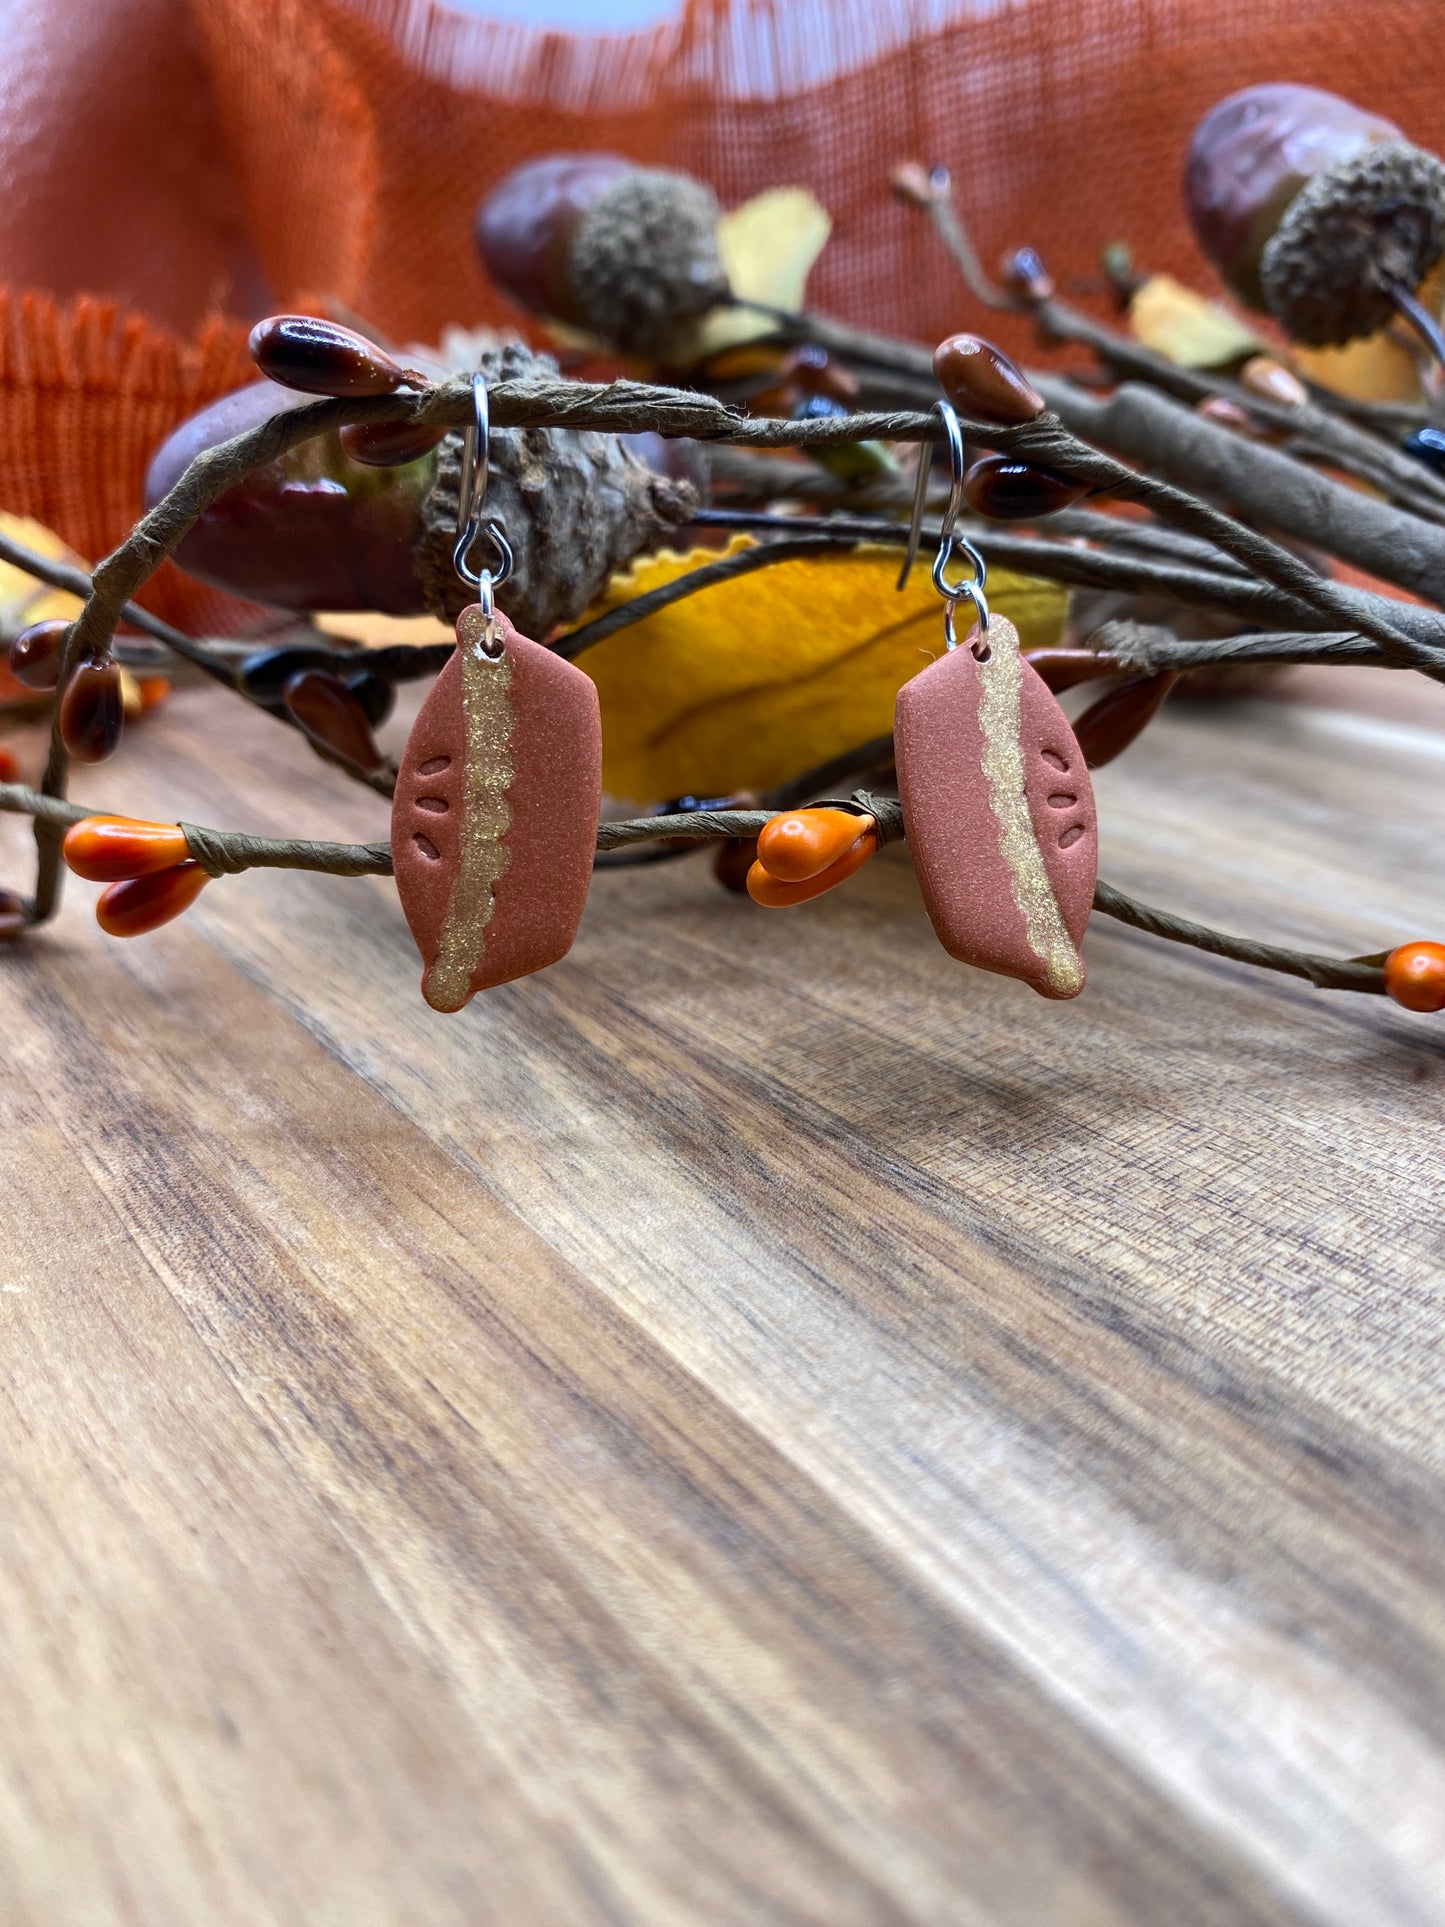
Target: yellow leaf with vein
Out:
[757,679]
[24,599]
[1185,328]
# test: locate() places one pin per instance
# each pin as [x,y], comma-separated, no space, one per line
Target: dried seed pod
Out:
[628,253]
[1000,813]
[322,358]
[577,507]
[388,444]
[35,654]
[773,893]
[982,382]
[92,710]
[109,849]
[1415,975]
[333,716]
[804,843]
[142,904]
[1107,727]
[494,822]
[1005,489]
[1310,206]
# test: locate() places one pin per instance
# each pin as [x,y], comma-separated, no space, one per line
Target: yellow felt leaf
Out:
[1181,325]
[23,600]
[759,678]
[1377,367]
[768,247]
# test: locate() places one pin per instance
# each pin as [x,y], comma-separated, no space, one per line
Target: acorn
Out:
[626,252]
[1314,210]
[316,529]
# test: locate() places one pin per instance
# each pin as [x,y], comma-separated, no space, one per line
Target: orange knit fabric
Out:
[360,134]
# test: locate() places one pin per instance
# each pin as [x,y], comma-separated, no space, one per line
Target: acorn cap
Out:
[644,259]
[576,505]
[1374,219]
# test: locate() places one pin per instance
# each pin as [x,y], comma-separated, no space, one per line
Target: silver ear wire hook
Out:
[476,466]
[950,542]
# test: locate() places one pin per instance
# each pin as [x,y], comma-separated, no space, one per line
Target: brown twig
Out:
[229,852]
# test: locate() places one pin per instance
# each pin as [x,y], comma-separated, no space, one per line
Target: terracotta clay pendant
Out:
[494,823]
[999,812]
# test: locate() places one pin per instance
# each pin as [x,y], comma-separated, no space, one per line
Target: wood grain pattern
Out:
[759,1423]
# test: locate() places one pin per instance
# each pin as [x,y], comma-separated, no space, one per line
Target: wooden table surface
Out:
[758,1424]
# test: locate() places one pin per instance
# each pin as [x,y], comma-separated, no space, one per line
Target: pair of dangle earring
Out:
[499,793]
[997,801]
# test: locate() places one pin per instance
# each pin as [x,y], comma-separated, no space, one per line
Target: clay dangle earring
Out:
[494,820]
[997,802]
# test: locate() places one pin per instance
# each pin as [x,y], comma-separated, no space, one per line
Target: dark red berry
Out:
[35,654]
[322,358]
[389,444]
[330,713]
[1007,490]
[92,710]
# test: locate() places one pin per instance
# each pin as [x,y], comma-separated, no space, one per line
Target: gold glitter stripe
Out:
[1003,762]
[486,817]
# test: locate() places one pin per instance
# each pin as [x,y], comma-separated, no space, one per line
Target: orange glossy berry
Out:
[803,843]
[108,849]
[9,768]
[1415,975]
[153,691]
[140,904]
[774,894]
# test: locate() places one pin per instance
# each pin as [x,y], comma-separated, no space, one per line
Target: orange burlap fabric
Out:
[189,163]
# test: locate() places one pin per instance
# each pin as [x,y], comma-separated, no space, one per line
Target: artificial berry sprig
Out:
[807,852]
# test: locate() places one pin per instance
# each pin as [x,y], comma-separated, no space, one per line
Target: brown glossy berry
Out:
[108,849]
[389,444]
[1262,375]
[1024,275]
[142,904]
[1225,413]
[35,654]
[1415,975]
[1107,727]
[1005,489]
[804,843]
[774,894]
[732,860]
[983,383]
[322,358]
[332,714]
[92,710]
